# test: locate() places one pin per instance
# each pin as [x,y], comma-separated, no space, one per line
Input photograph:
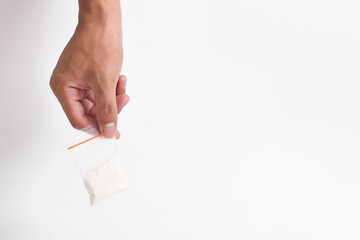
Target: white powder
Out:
[106,180]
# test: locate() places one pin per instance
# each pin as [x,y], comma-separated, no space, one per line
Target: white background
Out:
[243,123]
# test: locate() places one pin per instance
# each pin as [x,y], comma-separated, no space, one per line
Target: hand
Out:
[86,79]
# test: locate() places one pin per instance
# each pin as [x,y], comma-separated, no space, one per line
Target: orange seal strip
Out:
[84,141]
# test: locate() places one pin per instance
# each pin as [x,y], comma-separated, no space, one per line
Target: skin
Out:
[86,79]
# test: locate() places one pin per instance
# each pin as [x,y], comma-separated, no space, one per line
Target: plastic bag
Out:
[98,162]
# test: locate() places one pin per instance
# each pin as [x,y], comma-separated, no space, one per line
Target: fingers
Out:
[96,110]
[106,110]
[70,99]
[121,101]
[121,97]
[88,105]
[121,85]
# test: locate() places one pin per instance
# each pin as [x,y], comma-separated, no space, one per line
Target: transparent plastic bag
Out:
[98,162]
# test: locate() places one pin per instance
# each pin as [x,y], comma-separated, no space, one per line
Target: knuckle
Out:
[55,83]
[100,91]
[52,83]
[108,109]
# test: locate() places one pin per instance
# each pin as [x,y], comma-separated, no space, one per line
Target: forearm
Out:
[86,79]
[104,13]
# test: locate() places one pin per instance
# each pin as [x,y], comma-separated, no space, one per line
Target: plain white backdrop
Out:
[243,123]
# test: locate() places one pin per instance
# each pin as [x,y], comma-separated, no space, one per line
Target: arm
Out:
[86,79]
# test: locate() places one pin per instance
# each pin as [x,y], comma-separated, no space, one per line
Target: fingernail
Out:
[109,130]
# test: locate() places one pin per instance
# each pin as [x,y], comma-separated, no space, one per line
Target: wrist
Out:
[102,13]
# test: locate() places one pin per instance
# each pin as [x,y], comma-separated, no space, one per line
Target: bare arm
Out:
[86,79]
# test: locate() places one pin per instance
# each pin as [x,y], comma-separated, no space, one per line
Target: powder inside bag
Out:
[106,180]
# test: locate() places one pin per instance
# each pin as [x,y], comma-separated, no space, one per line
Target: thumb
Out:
[106,111]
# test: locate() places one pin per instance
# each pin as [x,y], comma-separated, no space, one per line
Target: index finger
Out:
[70,99]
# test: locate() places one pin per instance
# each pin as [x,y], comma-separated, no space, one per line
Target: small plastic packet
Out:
[98,162]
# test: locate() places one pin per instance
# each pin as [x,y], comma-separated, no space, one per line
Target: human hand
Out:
[86,79]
